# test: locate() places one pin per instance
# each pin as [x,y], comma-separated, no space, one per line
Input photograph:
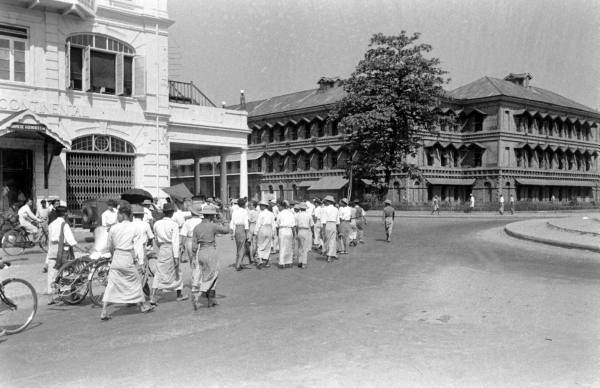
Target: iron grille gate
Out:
[97,170]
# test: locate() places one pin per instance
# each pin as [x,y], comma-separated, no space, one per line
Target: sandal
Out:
[147,308]
[105,317]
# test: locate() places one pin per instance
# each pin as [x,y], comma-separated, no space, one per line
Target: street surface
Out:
[451,302]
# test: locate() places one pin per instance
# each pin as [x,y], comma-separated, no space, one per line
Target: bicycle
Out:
[16,240]
[18,304]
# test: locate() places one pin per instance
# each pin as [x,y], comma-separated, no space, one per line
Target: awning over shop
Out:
[329,183]
[306,183]
[451,181]
[552,182]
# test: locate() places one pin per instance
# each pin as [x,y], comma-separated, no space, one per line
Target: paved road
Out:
[450,302]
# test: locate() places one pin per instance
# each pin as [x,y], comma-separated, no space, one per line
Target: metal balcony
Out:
[187,93]
[85,9]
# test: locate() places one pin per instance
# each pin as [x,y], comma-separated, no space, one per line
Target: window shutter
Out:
[119,75]
[85,71]
[139,77]
[68,66]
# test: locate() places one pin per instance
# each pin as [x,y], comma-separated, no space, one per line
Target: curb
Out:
[557,243]
[568,230]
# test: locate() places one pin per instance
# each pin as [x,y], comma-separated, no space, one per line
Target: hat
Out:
[302,206]
[147,202]
[137,209]
[209,211]
[387,201]
[344,201]
[286,203]
[168,207]
[296,206]
[264,203]
[195,209]
[329,198]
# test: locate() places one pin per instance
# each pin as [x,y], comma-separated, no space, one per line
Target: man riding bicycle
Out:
[26,219]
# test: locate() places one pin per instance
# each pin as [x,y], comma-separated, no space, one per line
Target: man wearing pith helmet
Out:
[331,221]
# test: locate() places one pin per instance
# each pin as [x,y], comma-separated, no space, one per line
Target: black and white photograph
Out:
[299,193]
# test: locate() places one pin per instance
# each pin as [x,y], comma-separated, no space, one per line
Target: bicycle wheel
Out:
[11,243]
[43,243]
[98,281]
[71,284]
[18,305]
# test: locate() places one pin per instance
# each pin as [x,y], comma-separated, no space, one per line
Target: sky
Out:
[275,47]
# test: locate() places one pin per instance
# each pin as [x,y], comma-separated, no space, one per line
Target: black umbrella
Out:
[136,196]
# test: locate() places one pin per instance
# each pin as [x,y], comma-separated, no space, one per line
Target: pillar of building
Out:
[197,176]
[244,172]
[224,196]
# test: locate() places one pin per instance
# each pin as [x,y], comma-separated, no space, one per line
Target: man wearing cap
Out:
[388,219]
[331,221]
[168,273]
[145,235]
[345,228]
[60,240]
[109,216]
[304,224]
[285,226]
[317,229]
[265,229]
[206,260]
[240,226]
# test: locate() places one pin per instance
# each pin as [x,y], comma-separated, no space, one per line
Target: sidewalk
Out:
[579,232]
[375,215]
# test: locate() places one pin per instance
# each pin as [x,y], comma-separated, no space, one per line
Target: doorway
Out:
[16,176]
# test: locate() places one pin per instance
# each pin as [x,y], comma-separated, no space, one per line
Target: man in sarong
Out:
[345,227]
[285,227]
[317,230]
[124,280]
[265,229]
[252,217]
[206,267]
[388,219]
[275,210]
[304,224]
[331,220]
[57,229]
[240,226]
[168,273]
[187,230]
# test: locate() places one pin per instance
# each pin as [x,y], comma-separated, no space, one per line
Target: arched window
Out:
[102,143]
[101,64]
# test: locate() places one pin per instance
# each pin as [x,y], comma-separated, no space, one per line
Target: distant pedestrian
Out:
[361,222]
[286,222]
[389,214]
[471,203]
[435,205]
[330,218]
[501,200]
[304,224]
[60,247]
[240,227]
[511,204]
[317,230]
[264,231]
[345,215]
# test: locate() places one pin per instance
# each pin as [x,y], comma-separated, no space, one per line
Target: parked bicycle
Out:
[18,304]
[16,240]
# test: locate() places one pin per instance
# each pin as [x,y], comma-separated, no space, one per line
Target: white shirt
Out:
[304,220]
[147,215]
[286,218]
[265,217]
[310,208]
[144,233]
[472,201]
[179,217]
[25,214]
[42,213]
[501,199]
[239,217]
[345,213]
[187,230]
[330,214]
[109,218]
[275,211]
[54,236]
[318,213]
[167,231]
[123,236]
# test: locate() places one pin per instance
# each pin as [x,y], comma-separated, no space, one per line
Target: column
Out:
[197,176]
[224,196]
[244,173]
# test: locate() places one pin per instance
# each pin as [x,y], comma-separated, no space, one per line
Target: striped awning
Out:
[553,182]
[329,183]
[451,181]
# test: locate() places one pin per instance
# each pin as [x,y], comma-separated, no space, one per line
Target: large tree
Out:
[391,99]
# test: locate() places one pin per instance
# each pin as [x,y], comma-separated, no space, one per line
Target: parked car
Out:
[92,209]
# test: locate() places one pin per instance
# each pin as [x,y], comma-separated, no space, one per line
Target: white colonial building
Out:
[87,109]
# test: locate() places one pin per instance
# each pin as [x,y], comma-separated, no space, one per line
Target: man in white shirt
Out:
[26,217]
[317,230]
[147,212]
[187,231]
[54,232]
[240,226]
[145,234]
[330,218]
[182,213]
[345,213]
[501,200]
[275,211]
[109,216]
[286,221]
[304,223]
[264,230]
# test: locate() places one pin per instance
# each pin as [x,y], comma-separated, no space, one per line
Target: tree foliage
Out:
[391,98]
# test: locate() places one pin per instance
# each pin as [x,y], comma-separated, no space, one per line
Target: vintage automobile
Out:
[92,209]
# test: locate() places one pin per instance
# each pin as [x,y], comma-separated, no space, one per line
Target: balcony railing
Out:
[187,93]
